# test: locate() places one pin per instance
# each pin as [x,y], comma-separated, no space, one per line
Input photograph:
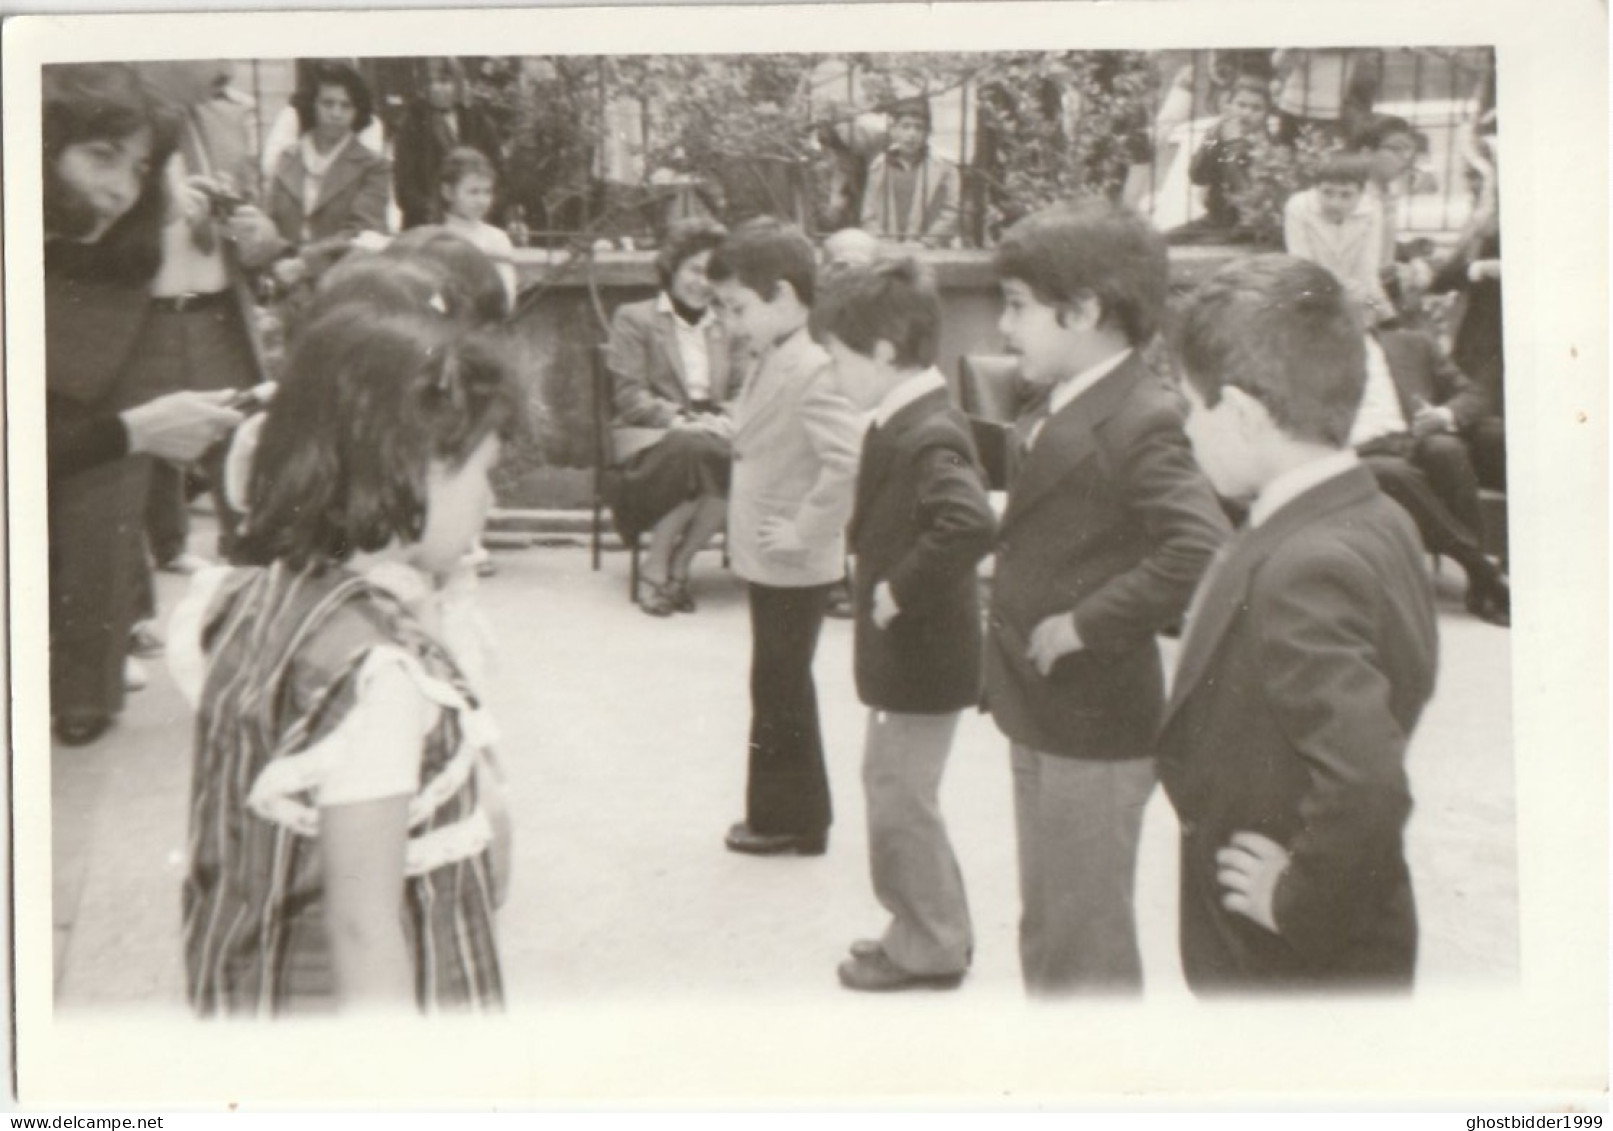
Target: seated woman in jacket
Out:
[328,187]
[673,376]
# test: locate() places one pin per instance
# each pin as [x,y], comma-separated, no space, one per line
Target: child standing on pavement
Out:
[921,524]
[1306,663]
[1109,525]
[342,848]
[795,463]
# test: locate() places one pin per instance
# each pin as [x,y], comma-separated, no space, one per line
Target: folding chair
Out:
[607,471]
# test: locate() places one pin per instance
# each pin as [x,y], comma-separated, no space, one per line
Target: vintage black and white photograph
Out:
[802,538]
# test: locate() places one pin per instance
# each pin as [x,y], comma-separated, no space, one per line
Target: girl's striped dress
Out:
[285,652]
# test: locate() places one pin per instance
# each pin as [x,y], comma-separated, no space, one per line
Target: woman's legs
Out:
[665,536]
[709,517]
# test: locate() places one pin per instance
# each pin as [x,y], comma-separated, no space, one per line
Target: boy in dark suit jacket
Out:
[1307,659]
[1109,525]
[921,525]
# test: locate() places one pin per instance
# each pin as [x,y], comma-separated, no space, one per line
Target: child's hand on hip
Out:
[780,538]
[1052,640]
[885,607]
[1249,868]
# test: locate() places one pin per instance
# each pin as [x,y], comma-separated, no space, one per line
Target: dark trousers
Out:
[167,507]
[1442,531]
[788,787]
[167,523]
[1487,440]
[205,347]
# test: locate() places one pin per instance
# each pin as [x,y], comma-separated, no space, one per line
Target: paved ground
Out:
[624,739]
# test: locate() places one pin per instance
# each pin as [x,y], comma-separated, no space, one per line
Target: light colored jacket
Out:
[932,216]
[1351,250]
[352,199]
[796,443]
[650,387]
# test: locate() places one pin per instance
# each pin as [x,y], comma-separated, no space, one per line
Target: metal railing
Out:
[1327,95]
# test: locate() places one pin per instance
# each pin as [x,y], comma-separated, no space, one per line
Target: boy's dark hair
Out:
[1380,128]
[1344,169]
[84,102]
[388,285]
[894,301]
[686,239]
[911,108]
[465,265]
[465,162]
[344,75]
[763,252]
[1092,249]
[1284,331]
[368,400]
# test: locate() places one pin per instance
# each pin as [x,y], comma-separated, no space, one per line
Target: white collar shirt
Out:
[1294,482]
[694,349]
[1380,413]
[905,393]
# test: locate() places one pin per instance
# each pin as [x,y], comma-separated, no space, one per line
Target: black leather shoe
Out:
[682,599]
[81,730]
[1491,603]
[880,975]
[743,838]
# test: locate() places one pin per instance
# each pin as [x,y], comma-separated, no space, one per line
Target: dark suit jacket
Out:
[352,199]
[650,387]
[1421,371]
[922,523]
[1477,347]
[1304,668]
[1110,519]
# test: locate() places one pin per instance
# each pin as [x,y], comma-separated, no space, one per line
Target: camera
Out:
[222,199]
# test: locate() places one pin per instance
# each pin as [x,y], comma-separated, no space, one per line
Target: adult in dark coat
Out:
[441,120]
[1278,726]
[1426,465]
[1475,270]
[105,145]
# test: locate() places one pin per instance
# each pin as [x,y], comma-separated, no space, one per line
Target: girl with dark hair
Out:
[473,273]
[346,843]
[104,208]
[328,187]
[674,381]
[441,119]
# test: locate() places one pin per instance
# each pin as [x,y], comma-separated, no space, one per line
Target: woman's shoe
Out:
[655,599]
[678,593]
[1491,602]
[81,730]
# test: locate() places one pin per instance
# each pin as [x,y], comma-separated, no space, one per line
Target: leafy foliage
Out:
[749,129]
